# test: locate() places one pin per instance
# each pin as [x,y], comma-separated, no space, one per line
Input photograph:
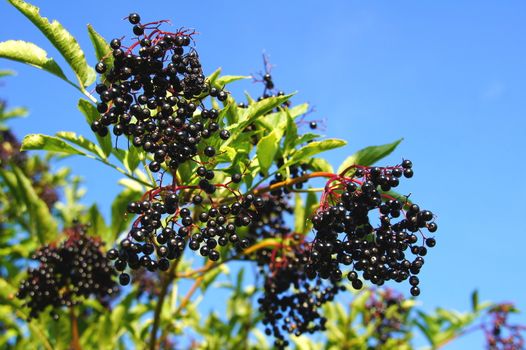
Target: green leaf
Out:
[79,140]
[475,300]
[369,155]
[48,143]
[131,159]
[212,77]
[41,221]
[310,206]
[299,214]
[29,53]
[102,48]
[91,114]
[320,164]
[266,150]
[17,112]
[227,79]
[253,112]
[291,134]
[6,73]
[98,225]
[119,218]
[305,153]
[61,39]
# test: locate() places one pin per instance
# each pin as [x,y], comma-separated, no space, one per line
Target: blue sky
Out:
[448,76]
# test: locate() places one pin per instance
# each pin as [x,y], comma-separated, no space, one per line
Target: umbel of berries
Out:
[154,95]
[346,236]
[67,273]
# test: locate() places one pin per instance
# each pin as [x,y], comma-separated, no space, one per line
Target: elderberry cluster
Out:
[153,94]
[74,269]
[345,234]
[269,222]
[166,225]
[292,300]
[499,333]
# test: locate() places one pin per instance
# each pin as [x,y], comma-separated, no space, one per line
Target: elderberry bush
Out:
[156,95]
[227,180]
[67,273]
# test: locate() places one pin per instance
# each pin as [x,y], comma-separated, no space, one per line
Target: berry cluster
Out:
[166,224]
[346,236]
[292,300]
[500,335]
[74,269]
[153,94]
[386,310]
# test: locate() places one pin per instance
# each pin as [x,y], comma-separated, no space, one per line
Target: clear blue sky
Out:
[448,76]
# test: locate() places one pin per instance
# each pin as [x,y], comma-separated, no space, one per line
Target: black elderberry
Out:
[134,18]
[236,178]
[209,151]
[100,68]
[124,279]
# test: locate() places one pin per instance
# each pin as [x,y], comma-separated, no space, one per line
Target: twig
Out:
[75,344]
[169,277]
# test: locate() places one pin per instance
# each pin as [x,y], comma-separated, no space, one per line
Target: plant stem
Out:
[75,344]
[208,267]
[293,181]
[168,278]
[192,290]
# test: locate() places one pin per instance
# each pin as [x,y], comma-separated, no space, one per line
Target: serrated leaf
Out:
[91,114]
[266,150]
[29,53]
[305,153]
[61,39]
[79,140]
[48,143]
[103,50]
[369,155]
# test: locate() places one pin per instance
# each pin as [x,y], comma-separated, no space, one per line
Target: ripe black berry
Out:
[134,18]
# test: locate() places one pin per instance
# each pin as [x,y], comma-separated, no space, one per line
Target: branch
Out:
[210,266]
[169,277]
[290,182]
[75,344]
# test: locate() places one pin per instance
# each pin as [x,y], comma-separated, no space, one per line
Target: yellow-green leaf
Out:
[65,43]
[369,155]
[48,143]
[29,53]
